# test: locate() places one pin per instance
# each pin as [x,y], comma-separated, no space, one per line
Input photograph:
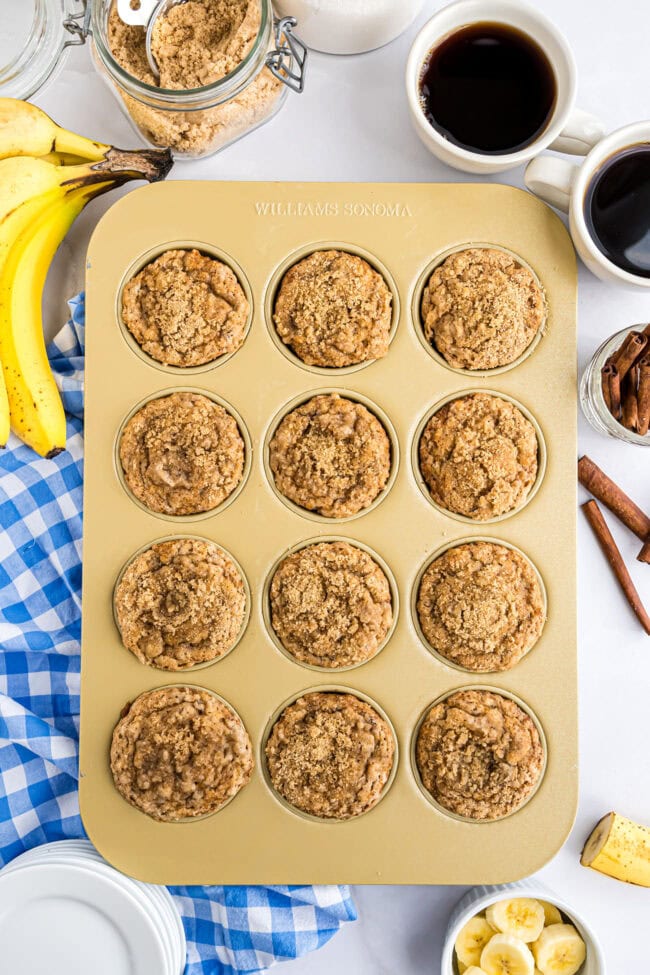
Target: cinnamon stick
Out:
[611,495]
[644,554]
[615,559]
[614,391]
[629,402]
[633,347]
[605,374]
[643,396]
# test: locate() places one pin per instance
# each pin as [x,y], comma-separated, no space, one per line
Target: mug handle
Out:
[551,178]
[580,134]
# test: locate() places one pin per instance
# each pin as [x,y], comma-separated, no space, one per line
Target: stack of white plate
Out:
[65,911]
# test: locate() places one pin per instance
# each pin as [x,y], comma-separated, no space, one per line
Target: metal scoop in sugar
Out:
[286,61]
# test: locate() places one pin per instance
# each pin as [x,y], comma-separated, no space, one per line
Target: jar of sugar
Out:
[349,26]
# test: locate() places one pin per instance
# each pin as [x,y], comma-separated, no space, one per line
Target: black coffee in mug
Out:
[617,209]
[489,88]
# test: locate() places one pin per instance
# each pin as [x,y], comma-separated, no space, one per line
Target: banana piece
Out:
[36,411]
[62,159]
[522,917]
[35,407]
[23,178]
[619,848]
[507,955]
[474,971]
[11,226]
[26,130]
[5,424]
[551,914]
[559,950]
[471,940]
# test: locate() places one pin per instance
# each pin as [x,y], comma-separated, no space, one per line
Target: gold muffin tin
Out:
[259,229]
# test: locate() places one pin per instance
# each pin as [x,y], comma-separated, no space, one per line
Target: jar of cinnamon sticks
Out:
[615,386]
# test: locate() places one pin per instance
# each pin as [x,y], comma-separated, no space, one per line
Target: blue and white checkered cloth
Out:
[230,930]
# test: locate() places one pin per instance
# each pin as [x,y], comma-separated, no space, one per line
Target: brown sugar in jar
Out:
[214,85]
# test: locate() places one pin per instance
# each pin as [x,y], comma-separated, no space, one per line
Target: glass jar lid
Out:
[33,40]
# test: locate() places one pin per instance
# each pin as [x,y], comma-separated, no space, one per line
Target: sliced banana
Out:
[506,955]
[472,939]
[474,971]
[522,917]
[559,950]
[620,848]
[551,914]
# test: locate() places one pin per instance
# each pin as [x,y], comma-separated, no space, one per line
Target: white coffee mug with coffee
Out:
[567,129]
[566,184]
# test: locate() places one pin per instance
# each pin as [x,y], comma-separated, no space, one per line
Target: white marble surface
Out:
[351,123]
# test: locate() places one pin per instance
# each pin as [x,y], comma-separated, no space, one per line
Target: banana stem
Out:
[149,164]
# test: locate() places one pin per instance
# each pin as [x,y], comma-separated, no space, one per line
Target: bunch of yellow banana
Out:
[47,176]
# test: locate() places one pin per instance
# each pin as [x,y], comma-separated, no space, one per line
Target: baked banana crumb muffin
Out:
[481,606]
[331,605]
[330,755]
[180,603]
[481,308]
[479,754]
[330,455]
[479,456]
[182,454]
[333,309]
[185,309]
[179,752]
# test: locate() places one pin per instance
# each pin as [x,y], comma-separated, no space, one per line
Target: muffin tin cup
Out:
[274,286]
[418,325]
[356,397]
[325,689]
[415,591]
[422,484]
[197,819]
[248,454]
[266,603]
[208,250]
[247,608]
[416,772]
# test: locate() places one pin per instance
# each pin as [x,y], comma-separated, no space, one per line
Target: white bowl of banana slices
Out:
[518,929]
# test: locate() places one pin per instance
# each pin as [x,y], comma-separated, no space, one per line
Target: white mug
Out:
[564,185]
[568,129]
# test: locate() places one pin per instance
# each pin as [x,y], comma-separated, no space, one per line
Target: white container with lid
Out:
[349,26]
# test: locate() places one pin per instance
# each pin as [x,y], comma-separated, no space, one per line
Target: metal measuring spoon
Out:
[146,15]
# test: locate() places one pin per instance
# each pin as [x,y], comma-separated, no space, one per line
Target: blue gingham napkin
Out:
[230,930]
